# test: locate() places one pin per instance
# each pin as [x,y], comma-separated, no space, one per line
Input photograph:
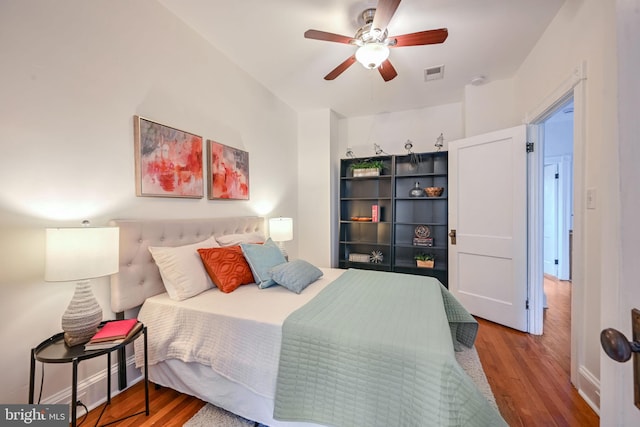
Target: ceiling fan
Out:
[373,41]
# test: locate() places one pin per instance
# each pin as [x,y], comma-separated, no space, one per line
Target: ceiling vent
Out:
[434,73]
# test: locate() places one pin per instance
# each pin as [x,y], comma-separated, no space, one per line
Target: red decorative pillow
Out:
[227,267]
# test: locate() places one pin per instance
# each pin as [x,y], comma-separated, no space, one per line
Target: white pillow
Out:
[181,268]
[236,239]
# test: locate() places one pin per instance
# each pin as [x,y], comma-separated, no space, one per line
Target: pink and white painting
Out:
[168,161]
[228,172]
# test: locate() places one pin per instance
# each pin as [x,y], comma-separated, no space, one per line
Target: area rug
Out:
[212,416]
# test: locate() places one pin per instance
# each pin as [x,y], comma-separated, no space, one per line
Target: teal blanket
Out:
[376,349]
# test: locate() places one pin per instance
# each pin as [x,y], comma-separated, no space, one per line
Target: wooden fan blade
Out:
[421,38]
[340,68]
[387,71]
[384,12]
[329,37]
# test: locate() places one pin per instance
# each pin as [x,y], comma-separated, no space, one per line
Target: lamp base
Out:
[83,315]
[283,250]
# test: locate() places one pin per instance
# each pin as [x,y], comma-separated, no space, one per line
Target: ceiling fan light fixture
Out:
[371,55]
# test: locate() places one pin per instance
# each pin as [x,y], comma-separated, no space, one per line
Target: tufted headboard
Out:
[139,277]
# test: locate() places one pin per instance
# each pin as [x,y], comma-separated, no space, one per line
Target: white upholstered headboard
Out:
[138,277]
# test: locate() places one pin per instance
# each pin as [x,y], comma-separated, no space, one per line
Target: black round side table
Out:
[54,350]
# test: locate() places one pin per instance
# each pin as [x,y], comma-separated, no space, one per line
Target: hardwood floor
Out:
[167,408]
[529,376]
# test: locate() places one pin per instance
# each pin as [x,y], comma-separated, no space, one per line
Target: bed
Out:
[263,353]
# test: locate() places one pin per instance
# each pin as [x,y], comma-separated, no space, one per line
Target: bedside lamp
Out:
[80,254]
[281,230]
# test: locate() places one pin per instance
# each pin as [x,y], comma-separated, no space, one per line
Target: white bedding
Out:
[238,334]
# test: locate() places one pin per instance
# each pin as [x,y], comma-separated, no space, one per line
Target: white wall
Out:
[74,73]
[392,130]
[314,187]
[490,107]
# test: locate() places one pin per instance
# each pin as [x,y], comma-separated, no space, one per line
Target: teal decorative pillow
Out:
[261,258]
[295,275]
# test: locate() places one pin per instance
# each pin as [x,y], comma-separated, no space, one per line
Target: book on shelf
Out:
[100,345]
[423,241]
[375,213]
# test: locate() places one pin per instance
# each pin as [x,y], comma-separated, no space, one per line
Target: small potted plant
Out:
[424,260]
[367,167]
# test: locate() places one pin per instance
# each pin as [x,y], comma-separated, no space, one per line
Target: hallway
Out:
[530,374]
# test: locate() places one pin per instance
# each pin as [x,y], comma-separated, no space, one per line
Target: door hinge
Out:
[526,305]
[557,175]
[529,147]
[555,261]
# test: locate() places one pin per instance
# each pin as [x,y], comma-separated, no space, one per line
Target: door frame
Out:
[573,86]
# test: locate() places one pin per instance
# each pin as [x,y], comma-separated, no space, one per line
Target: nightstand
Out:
[54,350]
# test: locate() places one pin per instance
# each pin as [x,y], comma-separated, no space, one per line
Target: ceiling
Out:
[488,38]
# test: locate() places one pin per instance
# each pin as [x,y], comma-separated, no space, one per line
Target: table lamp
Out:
[281,230]
[80,254]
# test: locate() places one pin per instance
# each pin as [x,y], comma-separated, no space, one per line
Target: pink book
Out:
[114,330]
[375,213]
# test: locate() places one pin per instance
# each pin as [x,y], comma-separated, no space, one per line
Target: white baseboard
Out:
[92,391]
[589,388]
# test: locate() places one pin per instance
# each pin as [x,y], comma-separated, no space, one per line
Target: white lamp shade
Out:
[81,253]
[281,229]
[371,55]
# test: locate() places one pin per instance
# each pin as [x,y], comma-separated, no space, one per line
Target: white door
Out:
[550,227]
[488,211]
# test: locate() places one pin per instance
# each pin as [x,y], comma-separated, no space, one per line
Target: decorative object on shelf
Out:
[281,230]
[361,218]
[376,257]
[378,150]
[168,161]
[439,142]
[422,231]
[434,191]
[414,159]
[424,260]
[422,236]
[416,191]
[366,168]
[349,153]
[228,172]
[354,257]
[375,213]
[80,254]
[408,146]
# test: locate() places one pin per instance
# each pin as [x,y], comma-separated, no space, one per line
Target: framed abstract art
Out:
[168,161]
[228,172]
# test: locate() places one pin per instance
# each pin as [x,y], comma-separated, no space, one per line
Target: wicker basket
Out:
[434,191]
